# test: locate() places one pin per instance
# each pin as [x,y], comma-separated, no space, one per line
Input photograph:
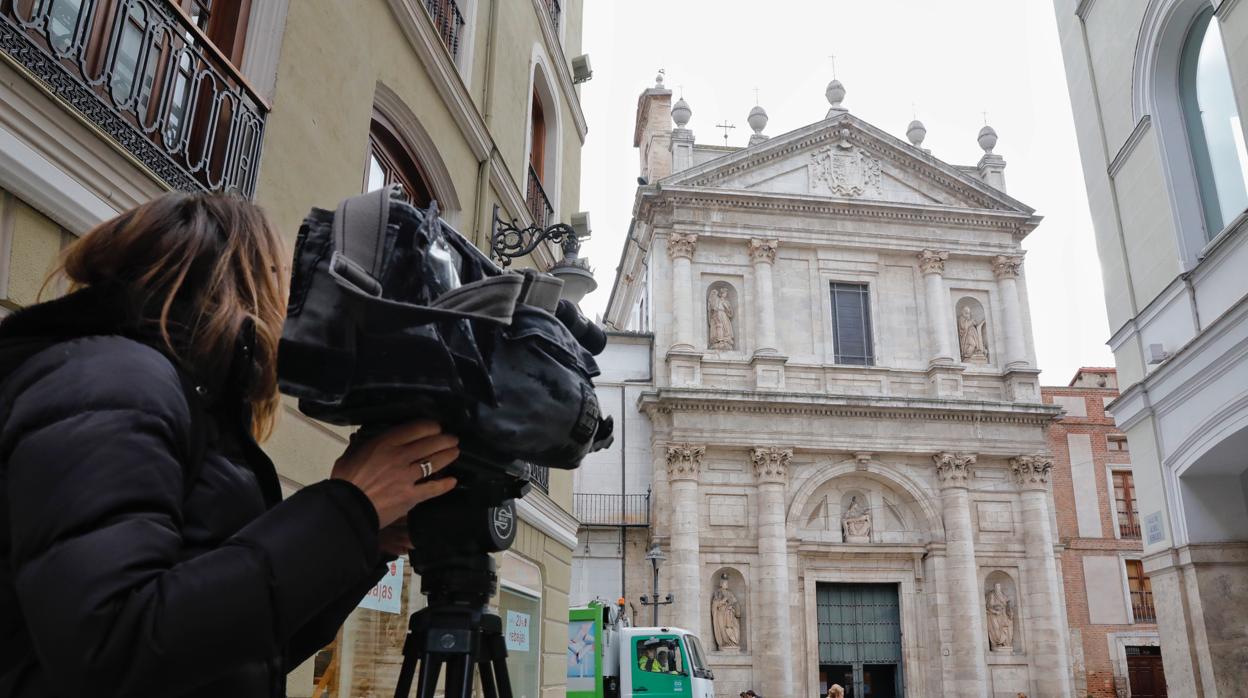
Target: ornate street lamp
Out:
[509,241]
[656,556]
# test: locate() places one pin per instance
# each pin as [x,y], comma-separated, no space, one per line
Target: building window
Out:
[851,324]
[391,162]
[1214,132]
[1124,498]
[1141,590]
[1117,444]
[522,623]
[541,166]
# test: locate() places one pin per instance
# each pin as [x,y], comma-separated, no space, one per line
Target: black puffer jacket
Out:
[117,578]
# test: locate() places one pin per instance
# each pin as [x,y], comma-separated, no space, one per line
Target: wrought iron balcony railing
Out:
[1129,530]
[555,11]
[1142,607]
[537,202]
[147,76]
[612,509]
[449,22]
[540,477]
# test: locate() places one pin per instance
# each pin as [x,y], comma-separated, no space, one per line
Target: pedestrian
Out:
[835,691]
[146,547]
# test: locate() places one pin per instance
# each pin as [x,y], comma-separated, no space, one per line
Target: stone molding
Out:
[684,462]
[1031,471]
[954,469]
[682,245]
[771,465]
[932,261]
[1007,267]
[763,250]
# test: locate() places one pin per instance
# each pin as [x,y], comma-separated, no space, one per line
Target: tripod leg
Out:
[459,677]
[428,681]
[498,657]
[486,670]
[403,689]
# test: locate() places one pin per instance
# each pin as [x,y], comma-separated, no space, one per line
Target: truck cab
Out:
[663,663]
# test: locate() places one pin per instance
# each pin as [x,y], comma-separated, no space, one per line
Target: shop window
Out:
[851,324]
[522,622]
[391,162]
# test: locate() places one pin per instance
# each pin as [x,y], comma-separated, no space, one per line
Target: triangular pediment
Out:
[844,157]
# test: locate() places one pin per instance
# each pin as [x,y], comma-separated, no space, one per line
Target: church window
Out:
[1214,132]
[851,324]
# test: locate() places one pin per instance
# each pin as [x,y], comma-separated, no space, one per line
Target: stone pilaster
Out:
[1007,269]
[966,673]
[763,256]
[932,266]
[774,648]
[684,464]
[681,247]
[1047,637]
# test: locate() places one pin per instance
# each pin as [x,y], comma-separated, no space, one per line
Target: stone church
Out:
[846,441]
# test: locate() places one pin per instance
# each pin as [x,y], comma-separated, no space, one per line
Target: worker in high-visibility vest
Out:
[647,661]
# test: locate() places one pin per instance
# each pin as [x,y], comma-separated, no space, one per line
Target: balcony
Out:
[1128,530]
[449,22]
[537,202]
[555,11]
[540,477]
[149,78]
[1142,607]
[622,510]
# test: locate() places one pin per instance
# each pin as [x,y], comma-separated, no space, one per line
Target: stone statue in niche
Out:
[856,522]
[719,314]
[726,617]
[1000,620]
[972,339]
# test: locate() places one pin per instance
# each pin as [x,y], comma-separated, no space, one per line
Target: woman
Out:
[145,547]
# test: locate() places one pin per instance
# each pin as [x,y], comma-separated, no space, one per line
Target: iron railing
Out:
[537,202]
[1142,607]
[144,74]
[1129,530]
[612,509]
[449,22]
[539,475]
[555,12]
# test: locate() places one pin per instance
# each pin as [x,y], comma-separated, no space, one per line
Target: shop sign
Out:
[517,632]
[386,596]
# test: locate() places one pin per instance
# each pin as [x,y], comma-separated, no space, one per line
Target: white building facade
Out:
[846,437]
[1157,90]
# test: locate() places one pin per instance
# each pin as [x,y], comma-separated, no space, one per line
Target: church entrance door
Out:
[860,639]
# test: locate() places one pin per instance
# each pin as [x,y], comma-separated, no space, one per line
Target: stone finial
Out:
[932,261]
[987,139]
[682,245]
[1006,267]
[954,469]
[681,113]
[1031,471]
[916,132]
[771,464]
[835,94]
[758,119]
[658,79]
[684,462]
[763,250]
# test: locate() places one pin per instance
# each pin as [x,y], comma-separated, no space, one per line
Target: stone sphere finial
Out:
[758,119]
[916,132]
[987,139]
[835,94]
[658,80]
[681,113]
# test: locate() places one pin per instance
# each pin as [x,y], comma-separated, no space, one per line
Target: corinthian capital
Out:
[763,250]
[771,464]
[1006,267]
[1031,471]
[954,469]
[932,261]
[684,462]
[682,245]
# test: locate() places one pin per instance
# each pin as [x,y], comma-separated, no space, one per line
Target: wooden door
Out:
[1145,673]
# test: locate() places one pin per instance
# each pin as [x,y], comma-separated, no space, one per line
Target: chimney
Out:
[653,131]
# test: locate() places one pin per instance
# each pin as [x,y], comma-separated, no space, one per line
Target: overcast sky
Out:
[946,61]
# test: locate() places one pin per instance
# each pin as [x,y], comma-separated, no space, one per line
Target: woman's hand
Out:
[395,540]
[387,467]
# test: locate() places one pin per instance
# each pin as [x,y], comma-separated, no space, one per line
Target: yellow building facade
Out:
[299,103]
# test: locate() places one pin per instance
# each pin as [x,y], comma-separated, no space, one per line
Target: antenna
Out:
[726,126]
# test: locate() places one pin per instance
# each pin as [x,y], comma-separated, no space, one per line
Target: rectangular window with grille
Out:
[851,324]
[1124,500]
[1141,590]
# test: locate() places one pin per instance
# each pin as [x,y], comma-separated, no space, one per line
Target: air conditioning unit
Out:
[581,69]
[1156,354]
[580,223]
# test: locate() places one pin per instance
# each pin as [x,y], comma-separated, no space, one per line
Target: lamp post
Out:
[655,556]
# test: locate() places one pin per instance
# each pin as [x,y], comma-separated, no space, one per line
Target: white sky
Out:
[946,60]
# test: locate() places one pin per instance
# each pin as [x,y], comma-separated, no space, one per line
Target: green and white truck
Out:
[609,659]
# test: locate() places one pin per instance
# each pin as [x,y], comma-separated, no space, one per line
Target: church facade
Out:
[847,452]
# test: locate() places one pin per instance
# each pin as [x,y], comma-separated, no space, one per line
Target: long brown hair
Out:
[218,257]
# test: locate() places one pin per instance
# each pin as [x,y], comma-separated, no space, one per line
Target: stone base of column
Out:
[944,380]
[1022,385]
[684,368]
[768,371]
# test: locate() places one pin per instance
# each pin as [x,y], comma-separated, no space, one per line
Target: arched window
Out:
[1215,135]
[391,162]
[542,187]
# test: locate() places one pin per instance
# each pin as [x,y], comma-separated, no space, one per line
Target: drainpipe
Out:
[481,232]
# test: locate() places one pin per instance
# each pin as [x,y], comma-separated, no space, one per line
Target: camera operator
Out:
[144,546]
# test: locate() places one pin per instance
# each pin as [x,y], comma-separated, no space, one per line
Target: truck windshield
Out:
[696,659]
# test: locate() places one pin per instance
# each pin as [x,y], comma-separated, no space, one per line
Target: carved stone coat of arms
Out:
[844,172]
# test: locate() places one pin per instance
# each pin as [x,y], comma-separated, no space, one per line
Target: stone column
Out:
[684,463]
[681,246]
[763,254]
[1046,639]
[1006,270]
[774,649]
[932,266]
[967,673]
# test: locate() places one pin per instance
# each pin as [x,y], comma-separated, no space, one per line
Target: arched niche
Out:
[835,509]
[971,325]
[738,595]
[723,315]
[906,499]
[1012,610]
